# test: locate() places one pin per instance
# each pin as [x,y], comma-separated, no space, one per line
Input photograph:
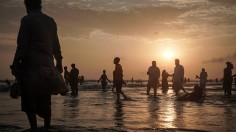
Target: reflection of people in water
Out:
[178,77]
[104,80]
[153,78]
[197,95]
[165,86]
[227,82]
[153,108]
[119,115]
[118,78]
[66,75]
[203,79]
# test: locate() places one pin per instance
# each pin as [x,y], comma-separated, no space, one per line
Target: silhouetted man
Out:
[66,75]
[227,79]
[37,45]
[74,80]
[153,78]
[118,78]
[203,79]
[178,77]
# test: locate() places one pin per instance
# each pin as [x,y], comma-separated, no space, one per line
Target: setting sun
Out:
[168,54]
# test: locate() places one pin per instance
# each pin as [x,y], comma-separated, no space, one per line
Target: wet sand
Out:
[94,110]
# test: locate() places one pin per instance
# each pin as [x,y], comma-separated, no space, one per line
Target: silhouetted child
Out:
[104,80]
[165,86]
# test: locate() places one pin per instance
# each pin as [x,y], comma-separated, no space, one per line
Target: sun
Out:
[168,54]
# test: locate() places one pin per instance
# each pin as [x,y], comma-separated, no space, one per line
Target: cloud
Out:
[226,2]
[222,59]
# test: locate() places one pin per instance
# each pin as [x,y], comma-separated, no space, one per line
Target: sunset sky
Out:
[201,33]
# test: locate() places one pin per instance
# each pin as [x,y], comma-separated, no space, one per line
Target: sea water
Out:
[96,110]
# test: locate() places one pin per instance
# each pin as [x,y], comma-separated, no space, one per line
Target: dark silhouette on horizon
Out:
[74,79]
[118,78]
[37,46]
[153,78]
[66,75]
[203,79]
[178,77]
[81,80]
[164,82]
[228,79]
[104,80]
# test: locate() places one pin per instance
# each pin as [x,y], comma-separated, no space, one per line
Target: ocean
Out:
[95,110]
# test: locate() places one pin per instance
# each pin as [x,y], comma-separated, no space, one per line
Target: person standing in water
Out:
[74,79]
[118,78]
[153,78]
[203,79]
[178,77]
[104,80]
[66,75]
[37,47]
[164,82]
[228,79]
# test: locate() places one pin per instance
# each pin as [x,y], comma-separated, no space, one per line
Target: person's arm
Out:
[108,79]
[99,79]
[57,51]
[22,46]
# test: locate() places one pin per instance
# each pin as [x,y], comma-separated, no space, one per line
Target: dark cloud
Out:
[226,2]
[222,59]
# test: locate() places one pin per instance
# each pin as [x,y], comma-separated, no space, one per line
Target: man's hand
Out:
[14,70]
[59,66]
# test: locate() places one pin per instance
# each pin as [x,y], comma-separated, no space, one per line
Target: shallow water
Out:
[94,110]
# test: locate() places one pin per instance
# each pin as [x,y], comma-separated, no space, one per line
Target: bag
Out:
[15,90]
[55,81]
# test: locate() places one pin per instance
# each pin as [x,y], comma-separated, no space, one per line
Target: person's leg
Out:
[117,93]
[47,122]
[76,90]
[148,89]
[32,120]
[155,91]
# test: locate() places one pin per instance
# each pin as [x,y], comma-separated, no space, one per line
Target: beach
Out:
[95,110]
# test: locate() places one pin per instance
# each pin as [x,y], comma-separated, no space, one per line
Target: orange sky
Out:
[201,33]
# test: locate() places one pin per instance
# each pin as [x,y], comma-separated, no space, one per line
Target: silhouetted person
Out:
[118,78]
[132,80]
[37,46]
[234,80]
[66,75]
[81,80]
[104,80]
[197,95]
[178,77]
[153,78]
[165,85]
[227,80]
[203,79]
[74,79]
[185,80]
